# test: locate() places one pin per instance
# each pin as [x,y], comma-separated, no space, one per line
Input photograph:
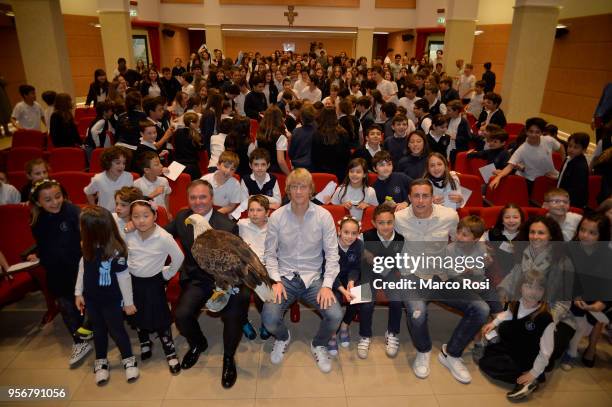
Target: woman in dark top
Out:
[151,86]
[271,136]
[330,146]
[62,129]
[414,161]
[238,141]
[349,122]
[211,117]
[187,144]
[98,89]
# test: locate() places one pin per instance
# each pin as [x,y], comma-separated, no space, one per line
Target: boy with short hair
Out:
[491,114]
[371,147]
[366,116]
[148,134]
[466,84]
[391,187]
[48,97]
[8,193]
[152,184]
[574,175]
[475,105]
[123,199]
[495,153]
[226,188]
[261,182]
[291,119]
[436,106]
[557,201]
[36,170]
[185,82]
[447,92]
[28,114]
[154,109]
[410,92]
[387,112]
[421,112]
[396,144]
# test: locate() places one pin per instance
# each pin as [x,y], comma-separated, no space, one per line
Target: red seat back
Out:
[162,216]
[18,179]
[203,161]
[253,129]
[372,178]
[74,182]
[321,179]
[16,220]
[18,157]
[367,222]
[81,112]
[29,138]
[94,162]
[594,190]
[281,179]
[541,185]
[557,161]
[82,125]
[512,188]
[67,159]
[178,196]
[514,128]
[461,163]
[337,211]
[474,184]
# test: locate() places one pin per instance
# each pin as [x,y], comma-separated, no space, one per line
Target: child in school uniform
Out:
[55,227]
[414,163]
[501,238]
[36,170]
[446,185]
[380,241]
[123,199]
[227,192]
[253,231]
[371,147]
[261,182]
[396,144]
[100,131]
[148,248]
[148,133]
[477,100]
[437,138]
[8,193]
[557,201]
[574,175]
[350,248]
[217,143]
[152,184]
[526,339]
[104,184]
[495,153]
[104,287]
[354,193]
[391,187]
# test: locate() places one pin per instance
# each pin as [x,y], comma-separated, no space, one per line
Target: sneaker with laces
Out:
[521,391]
[131,369]
[332,347]
[101,371]
[455,365]
[391,344]
[79,351]
[279,349]
[321,356]
[420,367]
[363,347]
[345,338]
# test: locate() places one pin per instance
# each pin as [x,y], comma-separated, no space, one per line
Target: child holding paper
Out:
[495,154]
[446,185]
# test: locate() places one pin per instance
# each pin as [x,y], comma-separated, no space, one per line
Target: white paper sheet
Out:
[174,170]
[239,209]
[486,172]
[600,317]
[356,293]
[466,193]
[22,266]
[491,334]
[327,192]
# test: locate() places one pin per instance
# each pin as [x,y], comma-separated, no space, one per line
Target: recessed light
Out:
[478,32]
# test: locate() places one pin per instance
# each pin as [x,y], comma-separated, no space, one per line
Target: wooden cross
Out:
[290,15]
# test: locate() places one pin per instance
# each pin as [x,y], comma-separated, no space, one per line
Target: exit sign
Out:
[441,20]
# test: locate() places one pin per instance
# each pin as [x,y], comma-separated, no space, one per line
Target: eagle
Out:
[228,258]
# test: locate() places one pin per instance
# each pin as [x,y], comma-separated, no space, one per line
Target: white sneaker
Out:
[321,357]
[391,344]
[79,351]
[420,367]
[455,365]
[279,349]
[101,371]
[363,347]
[131,369]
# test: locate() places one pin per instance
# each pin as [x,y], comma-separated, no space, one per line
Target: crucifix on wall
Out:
[290,15]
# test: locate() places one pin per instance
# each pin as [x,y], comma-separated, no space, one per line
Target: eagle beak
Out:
[188,222]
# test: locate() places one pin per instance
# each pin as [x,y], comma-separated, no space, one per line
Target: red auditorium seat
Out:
[94,161]
[253,129]
[162,216]
[18,157]
[512,188]
[557,161]
[489,213]
[67,159]
[594,190]
[281,179]
[474,184]
[337,211]
[82,125]
[367,222]
[29,138]
[541,186]
[461,163]
[18,179]
[203,161]
[514,128]
[81,112]
[178,197]
[372,177]
[321,179]
[74,182]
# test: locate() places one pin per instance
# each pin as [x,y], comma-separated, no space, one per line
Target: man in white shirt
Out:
[311,92]
[423,224]
[386,88]
[301,235]
[27,114]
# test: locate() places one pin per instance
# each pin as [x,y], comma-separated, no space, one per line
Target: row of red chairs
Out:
[59,159]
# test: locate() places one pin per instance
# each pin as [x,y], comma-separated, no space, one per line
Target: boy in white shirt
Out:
[27,114]
[186,87]
[408,100]
[152,184]
[466,84]
[557,201]
[226,188]
[310,91]
[477,101]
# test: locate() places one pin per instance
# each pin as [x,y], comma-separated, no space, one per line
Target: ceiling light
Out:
[478,32]
[290,30]
[381,32]
[196,29]
[561,26]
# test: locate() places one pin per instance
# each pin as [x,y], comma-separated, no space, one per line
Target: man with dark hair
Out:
[255,102]
[489,77]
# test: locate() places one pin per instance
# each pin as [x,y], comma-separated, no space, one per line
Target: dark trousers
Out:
[366,312]
[105,320]
[499,364]
[563,335]
[71,316]
[234,315]
[351,309]
[165,337]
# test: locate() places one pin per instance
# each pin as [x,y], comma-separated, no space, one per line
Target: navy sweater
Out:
[396,186]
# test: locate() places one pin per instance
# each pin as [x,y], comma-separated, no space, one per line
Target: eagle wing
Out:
[229,260]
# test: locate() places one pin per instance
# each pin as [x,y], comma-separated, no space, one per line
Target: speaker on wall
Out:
[407,37]
[168,32]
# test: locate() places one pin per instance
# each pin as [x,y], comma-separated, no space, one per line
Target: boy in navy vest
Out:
[260,182]
[391,187]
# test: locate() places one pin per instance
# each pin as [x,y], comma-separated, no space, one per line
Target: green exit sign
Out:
[441,20]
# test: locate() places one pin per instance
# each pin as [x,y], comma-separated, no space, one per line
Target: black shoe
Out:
[263,333]
[146,350]
[173,364]
[229,375]
[588,362]
[521,391]
[249,331]
[192,356]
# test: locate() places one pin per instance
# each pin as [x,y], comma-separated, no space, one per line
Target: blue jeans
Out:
[273,314]
[475,313]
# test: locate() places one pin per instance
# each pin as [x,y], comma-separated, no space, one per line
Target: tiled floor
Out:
[32,356]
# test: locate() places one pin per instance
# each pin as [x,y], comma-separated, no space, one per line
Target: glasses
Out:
[558,201]
[298,187]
